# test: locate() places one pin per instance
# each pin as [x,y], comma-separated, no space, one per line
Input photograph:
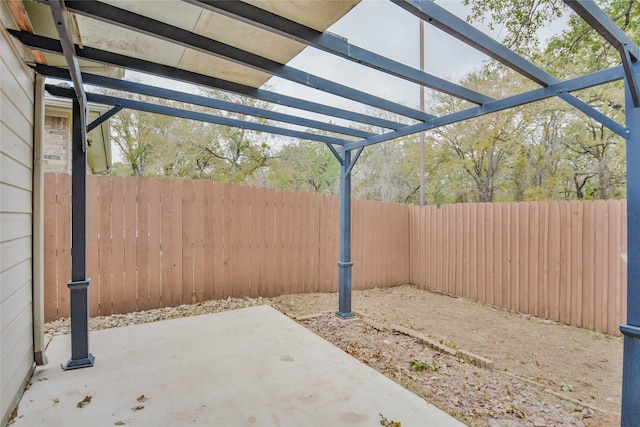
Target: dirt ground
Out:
[546,373]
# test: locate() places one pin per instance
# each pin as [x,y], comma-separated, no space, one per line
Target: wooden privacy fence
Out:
[154,243]
[564,261]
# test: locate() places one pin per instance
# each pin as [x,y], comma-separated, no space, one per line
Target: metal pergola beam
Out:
[583,82]
[61,20]
[104,117]
[145,25]
[148,90]
[335,45]
[79,283]
[631,328]
[118,60]
[607,28]
[441,18]
[345,266]
[194,115]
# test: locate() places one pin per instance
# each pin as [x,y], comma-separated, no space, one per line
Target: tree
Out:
[382,173]
[594,155]
[521,19]
[481,147]
[136,134]
[306,166]
[158,145]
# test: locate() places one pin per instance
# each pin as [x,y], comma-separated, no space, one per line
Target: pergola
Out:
[237,46]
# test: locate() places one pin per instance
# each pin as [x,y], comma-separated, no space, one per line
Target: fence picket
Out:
[533,284]
[155,213]
[92,232]
[187,290]
[50,273]
[117,245]
[600,249]
[153,243]
[199,213]
[555,260]
[130,247]
[142,243]
[209,250]
[104,246]
[63,243]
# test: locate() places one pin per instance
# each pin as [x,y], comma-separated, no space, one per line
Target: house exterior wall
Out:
[57,153]
[57,148]
[16,217]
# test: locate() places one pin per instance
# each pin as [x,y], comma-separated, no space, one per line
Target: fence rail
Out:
[154,243]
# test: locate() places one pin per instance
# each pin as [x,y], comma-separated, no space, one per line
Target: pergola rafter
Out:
[136,64]
[264,20]
[193,115]
[203,101]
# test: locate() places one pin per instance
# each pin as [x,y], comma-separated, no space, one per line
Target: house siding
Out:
[16,218]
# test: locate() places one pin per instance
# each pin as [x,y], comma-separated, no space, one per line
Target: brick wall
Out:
[57,149]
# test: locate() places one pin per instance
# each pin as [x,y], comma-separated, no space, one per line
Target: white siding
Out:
[16,201]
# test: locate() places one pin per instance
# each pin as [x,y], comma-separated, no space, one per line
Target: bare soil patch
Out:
[546,373]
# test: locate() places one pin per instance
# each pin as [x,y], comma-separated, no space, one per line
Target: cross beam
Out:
[583,82]
[441,18]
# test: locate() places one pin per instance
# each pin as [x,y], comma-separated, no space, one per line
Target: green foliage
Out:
[137,134]
[383,173]
[306,166]
[421,365]
[541,151]
[521,19]
[546,150]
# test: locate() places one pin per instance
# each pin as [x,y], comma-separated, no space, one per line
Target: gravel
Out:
[63,326]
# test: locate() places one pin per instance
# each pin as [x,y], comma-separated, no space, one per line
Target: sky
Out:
[382,27]
[387,29]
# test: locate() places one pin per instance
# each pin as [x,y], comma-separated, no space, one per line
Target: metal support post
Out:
[422,108]
[345,264]
[79,284]
[631,329]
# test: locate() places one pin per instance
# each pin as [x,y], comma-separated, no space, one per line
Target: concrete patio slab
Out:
[248,367]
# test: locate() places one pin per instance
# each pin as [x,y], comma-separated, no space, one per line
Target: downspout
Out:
[38,223]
